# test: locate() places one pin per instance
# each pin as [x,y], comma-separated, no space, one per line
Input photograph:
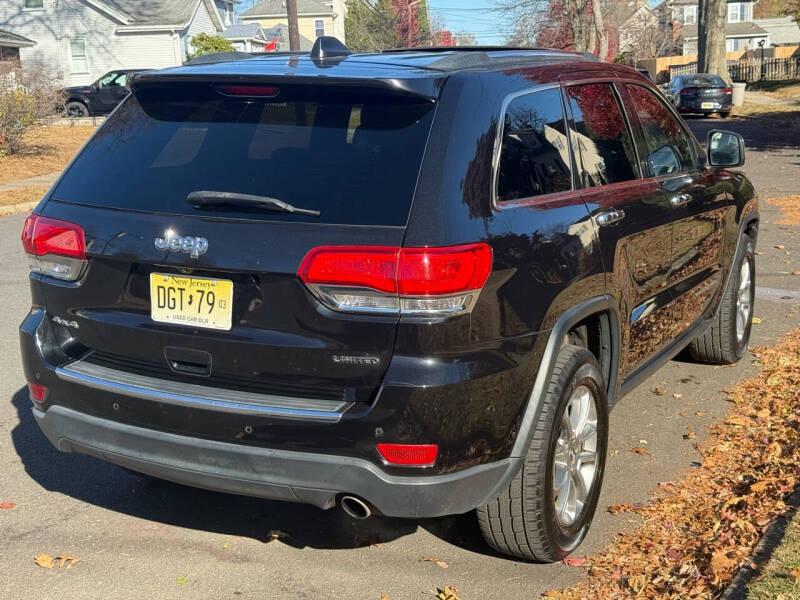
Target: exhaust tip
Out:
[355,507]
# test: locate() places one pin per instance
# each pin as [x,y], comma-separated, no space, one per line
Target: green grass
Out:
[777,581]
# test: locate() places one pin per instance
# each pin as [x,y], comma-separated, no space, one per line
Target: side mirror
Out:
[725,149]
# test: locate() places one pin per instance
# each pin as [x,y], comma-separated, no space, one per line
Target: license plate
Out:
[192,301]
[707,105]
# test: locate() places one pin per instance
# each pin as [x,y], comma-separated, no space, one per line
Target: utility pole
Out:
[294,31]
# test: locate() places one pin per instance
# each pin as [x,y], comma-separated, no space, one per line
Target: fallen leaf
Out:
[779,246]
[699,413]
[435,561]
[720,563]
[68,559]
[276,534]
[384,596]
[795,272]
[7,505]
[449,592]
[689,436]
[639,450]
[659,391]
[45,561]
[182,579]
[795,573]
[756,320]
[677,396]
[573,561]
[758,253]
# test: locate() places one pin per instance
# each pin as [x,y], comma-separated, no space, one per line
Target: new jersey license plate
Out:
[192,301]
[707,105]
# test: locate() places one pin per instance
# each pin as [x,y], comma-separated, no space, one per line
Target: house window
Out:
[319,27]
[77,51]
[32,4]
[689,15]
[737,12]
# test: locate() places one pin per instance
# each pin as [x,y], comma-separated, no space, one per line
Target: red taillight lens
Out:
[418,455]
[260,91]
[43,235]
[728,90]
[436,271]
[406,271]
[37,391]
[374,267]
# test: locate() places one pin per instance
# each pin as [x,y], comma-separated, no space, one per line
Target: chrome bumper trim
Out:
[199,396]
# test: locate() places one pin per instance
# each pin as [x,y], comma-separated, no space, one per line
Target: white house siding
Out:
[201,23]
[149,50]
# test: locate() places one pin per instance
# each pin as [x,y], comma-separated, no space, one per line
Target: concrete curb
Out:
[15,209]
[737,588]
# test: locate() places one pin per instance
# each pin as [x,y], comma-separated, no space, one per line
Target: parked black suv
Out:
[412,283]
[99,98]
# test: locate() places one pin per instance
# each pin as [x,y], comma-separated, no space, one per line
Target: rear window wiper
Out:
[204,198]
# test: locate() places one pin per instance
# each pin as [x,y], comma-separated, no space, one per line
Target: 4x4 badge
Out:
[194,246]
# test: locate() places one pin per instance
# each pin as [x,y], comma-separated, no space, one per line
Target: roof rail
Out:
[464,49]
[208,59]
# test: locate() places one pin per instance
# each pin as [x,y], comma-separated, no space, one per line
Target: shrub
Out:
[204,43]
[27,97]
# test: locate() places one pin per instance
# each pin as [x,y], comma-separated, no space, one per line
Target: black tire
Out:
[720,344]
[522,522]
[76,110]
[725,114]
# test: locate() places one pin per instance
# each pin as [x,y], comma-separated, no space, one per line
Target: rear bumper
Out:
[310,478]
[696,106]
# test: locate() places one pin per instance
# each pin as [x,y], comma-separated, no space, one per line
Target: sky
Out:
[475,16]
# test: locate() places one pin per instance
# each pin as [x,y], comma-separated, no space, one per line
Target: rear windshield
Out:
[352,156]
[705,81]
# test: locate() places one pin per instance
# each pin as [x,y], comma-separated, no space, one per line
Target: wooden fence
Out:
[749,70]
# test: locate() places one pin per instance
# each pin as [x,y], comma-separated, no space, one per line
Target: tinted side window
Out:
[534,156]
[602,134]
[667,148]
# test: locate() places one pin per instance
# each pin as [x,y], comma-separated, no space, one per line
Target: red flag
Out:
[273,45]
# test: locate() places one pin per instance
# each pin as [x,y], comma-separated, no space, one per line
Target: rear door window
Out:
[354,157]
[534,155]
[666,147]
[602,135]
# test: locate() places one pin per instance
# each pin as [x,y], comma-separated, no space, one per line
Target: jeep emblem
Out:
[172,242]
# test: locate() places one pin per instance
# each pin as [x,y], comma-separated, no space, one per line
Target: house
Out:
[248,37]
[83,39]
[10,44]
[783,31]
[314,17]
[636,27]
[741,32]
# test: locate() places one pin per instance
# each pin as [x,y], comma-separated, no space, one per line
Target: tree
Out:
[465,38]
[711,56]
[765,9]
[27,98]
[204,43]
[576,25]
[370,28]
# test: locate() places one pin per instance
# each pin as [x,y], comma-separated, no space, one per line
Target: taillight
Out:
[257,91]
[727,91]
[686,91]
[409,455]
[383,279]
[55,248]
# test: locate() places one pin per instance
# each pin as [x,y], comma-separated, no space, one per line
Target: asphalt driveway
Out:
[139,538]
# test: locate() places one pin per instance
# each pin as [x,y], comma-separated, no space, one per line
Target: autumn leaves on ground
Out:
[47,150]
[698,531]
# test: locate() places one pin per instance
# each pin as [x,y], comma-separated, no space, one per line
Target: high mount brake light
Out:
[55,248]
[387,279]
[257,91]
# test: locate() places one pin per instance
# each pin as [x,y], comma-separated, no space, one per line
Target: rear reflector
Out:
[55,248]
[392,279]
[37,391]
[409,454]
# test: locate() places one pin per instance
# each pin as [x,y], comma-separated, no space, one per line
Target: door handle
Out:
[610,216]
[680,199]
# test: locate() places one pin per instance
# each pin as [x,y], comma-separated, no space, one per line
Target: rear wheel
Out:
[725,342]
[75,110]
[545,512]
[725,114]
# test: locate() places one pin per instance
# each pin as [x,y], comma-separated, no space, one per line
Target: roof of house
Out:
[276,8]
[281,32]
[782,30]
[743,28]
[244,31]
[155,13]
[693,2]
[12,40]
